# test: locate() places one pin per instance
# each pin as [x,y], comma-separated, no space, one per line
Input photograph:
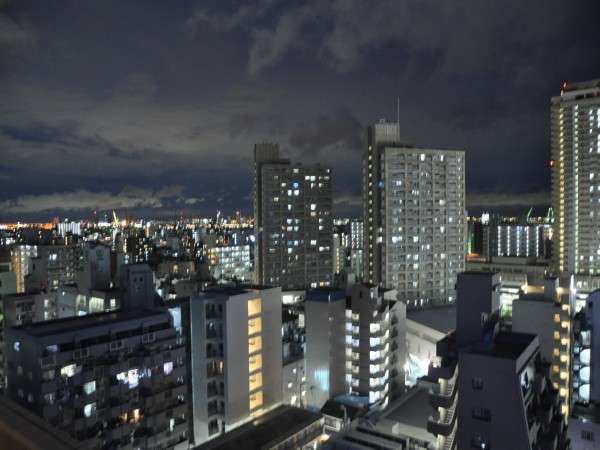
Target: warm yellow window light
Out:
[254,307]
[256,400]
[255,362]
[255,381]
[254,326]
[254,344]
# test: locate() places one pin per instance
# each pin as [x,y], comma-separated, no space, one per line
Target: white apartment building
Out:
[575,135]
[375,345]
[414,207]
[324,356]
[236,358]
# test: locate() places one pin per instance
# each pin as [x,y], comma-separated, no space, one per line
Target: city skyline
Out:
[155,110]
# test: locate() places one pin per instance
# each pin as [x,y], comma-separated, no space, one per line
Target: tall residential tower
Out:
[575,134]
[293,223]
[414,217]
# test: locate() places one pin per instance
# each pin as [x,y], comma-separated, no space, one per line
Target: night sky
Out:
[154,107]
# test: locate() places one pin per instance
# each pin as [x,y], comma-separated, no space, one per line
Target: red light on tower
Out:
[552,163]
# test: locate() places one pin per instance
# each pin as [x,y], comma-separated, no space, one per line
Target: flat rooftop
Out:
[412,409]
[20,429]
[506,345]
[325,295]
[270,428]
[229,291]
[442,319]
[71,324]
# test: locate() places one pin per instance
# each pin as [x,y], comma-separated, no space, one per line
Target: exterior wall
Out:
[516,240]
[547,319]
[501,395]
[584,434]
[104,381]
[375,345]
[53,267]
[296,244]
[222,389]
[231,262]
[379,136]
[575,140]
[21,256]
[293,384]
[8,283]
[93,268]
[424,224]
[324,354]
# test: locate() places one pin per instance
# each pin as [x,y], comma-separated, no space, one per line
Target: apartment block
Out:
[110,380]
[375,344]
[546,312]
[230,263]
[414,217]
[21,256]
[575,163]
[293,222]
[325,357]
[491,381]
[236,356]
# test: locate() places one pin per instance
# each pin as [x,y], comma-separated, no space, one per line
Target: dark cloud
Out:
[339,131]
[97,96]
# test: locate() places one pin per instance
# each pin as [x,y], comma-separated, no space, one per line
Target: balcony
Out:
[444,423]
[444,372]
[445,398]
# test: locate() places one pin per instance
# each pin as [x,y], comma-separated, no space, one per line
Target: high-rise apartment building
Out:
[575,135]
[356,249]
[293,222]
[21,256]
[414,217]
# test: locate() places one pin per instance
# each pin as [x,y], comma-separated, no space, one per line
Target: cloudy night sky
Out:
[153,107]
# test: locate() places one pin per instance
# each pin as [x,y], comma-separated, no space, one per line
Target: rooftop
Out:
[21,429]
[325,295]
[442,319]
[506,345]
[71,324]
[229,291]
[413,408]
[270,428]
[337,409]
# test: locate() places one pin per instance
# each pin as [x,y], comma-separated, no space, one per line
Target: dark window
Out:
[477,383]
[587,435]
[482,414]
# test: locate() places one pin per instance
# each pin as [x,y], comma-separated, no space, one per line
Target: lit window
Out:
[89,409]
[70,370]
[254,325]
[256,400]
[254,362]
[89,387]
[254,307]
[255,381]
[254,344]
